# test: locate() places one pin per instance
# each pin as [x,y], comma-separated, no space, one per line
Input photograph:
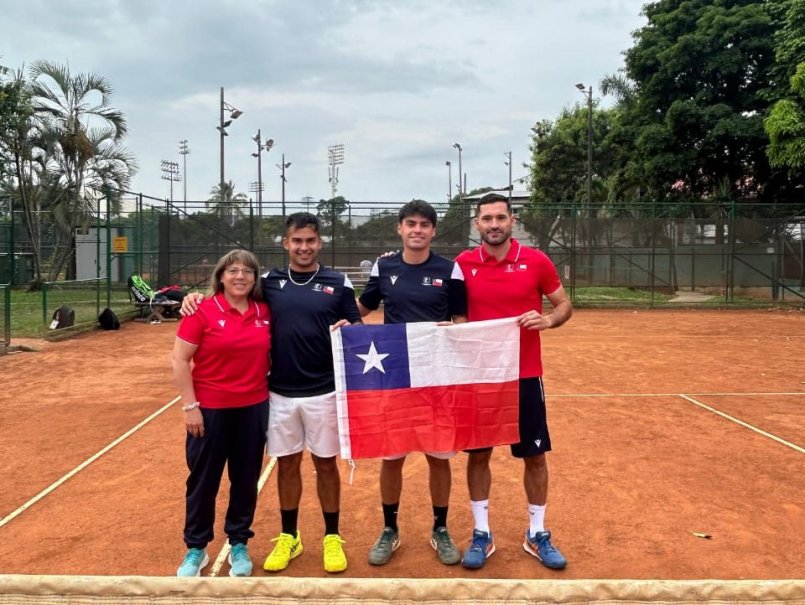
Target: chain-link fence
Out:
[647,254]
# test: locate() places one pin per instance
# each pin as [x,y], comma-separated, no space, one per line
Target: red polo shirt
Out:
[231,364]
[509,288]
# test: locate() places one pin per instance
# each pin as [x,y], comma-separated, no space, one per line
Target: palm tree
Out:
[227,204]
[83,135]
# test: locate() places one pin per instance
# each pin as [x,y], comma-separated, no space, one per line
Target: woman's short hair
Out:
[248,260]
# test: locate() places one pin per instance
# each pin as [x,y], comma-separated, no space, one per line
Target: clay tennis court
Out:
[665,423]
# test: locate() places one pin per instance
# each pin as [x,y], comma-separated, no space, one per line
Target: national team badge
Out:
[437,283]
[522,267]
[328,289]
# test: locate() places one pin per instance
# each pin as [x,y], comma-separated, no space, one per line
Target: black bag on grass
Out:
[63,317]
[108,320]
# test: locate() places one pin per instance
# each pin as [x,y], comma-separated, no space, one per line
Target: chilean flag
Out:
[420,387]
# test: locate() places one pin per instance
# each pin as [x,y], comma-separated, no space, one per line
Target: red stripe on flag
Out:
[432,419]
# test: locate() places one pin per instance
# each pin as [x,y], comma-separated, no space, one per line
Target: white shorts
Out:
[437,455]
[296,423]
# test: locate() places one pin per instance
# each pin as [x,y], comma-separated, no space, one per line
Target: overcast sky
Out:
[396,82]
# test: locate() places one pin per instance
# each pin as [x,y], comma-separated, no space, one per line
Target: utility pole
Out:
[335,157]
[170,172]
[183,151]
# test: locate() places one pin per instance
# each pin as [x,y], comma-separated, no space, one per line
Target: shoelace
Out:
[480,542]
[284,545]
[193,557]
[442,538]
[239,552]
[546,544]
[332,545]
[387,538]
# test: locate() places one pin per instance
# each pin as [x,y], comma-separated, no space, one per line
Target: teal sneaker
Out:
[444,546]
[194,561]
[239,560]
[384,547]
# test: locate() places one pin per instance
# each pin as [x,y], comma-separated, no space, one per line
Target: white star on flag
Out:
[373,359]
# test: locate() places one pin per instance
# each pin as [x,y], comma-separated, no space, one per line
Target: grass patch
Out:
[86,300]
[614,296]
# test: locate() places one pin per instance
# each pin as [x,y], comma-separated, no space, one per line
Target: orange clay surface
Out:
[636,467]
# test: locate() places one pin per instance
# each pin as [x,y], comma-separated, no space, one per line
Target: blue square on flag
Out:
[375,357]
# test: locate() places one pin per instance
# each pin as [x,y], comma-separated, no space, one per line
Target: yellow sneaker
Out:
[288,547]
[334,558]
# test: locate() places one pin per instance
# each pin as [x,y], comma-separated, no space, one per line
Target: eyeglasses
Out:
[233,271]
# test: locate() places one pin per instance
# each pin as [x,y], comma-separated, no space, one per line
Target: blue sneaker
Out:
[239,560]
[540,547]
[194,561]
[481,548]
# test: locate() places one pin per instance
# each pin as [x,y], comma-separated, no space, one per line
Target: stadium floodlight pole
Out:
[269,143]
[449,180]
[335,157]
[589,94]
[234,113]
[170,172]
[282,168]
[460,173]
[183,151]
[508,163]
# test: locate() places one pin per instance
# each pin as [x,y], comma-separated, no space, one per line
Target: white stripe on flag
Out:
[468,353]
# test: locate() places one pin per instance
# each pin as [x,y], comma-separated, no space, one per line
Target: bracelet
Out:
[190,406]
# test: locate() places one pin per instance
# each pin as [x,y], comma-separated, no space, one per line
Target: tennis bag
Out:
[63,317]
[108,320]
[140,291]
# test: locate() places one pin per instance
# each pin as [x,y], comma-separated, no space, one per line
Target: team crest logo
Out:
[426,281]
[393,279]
[282,283]
[221,322]
[509,268]
[317,287]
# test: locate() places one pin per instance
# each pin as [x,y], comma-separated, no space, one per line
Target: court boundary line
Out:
[219,560]
[743,424]
[53,486]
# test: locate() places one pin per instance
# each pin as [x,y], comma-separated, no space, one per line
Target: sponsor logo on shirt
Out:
[474,271]
[393,279]
[437,283]
[221,322]
[282,283]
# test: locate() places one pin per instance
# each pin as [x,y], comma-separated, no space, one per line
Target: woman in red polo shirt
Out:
[225,397]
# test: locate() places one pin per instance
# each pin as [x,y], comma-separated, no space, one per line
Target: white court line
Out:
[743,424]
[566,395]
[84,464]
[219,560]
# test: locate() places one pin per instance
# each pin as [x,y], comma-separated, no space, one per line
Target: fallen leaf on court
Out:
[701,535]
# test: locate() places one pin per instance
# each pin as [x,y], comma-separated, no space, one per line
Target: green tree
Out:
[701,68]
[80,138]
[226,203]
[785,125]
